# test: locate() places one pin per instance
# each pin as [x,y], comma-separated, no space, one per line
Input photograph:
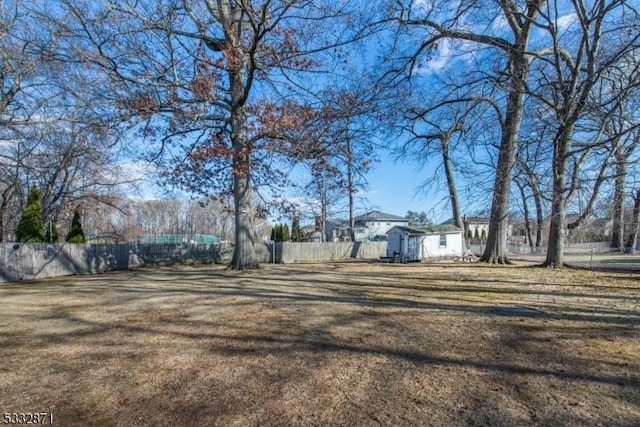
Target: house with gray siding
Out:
[370,226]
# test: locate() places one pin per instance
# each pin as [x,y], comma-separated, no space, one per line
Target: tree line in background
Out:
[519,106]
[135,219]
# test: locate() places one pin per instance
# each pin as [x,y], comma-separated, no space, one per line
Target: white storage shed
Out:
[409,244]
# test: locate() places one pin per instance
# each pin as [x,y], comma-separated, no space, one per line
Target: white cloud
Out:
[443,56]
[439,58]
[449,53]
[140,175]
[564,22]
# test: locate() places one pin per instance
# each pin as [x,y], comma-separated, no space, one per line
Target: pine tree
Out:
[296,232]
[51,234]
[277,233]
[280,233]
[75,235]
[30,226]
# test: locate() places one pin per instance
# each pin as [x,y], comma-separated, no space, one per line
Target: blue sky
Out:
[393,184]
[392,188]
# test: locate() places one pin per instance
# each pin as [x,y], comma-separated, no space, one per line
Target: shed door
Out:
[414,249]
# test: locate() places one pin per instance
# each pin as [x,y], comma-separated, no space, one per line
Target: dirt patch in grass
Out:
[325,344]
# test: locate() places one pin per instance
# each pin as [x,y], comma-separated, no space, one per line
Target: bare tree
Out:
[323,193]
[570,69]
[437,132]
[351,147]
[199,74]
[52,127]
[619,92]
[446,23]
[531,176]
[346,131]
[19,72]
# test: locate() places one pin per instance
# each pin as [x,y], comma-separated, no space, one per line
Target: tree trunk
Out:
[617,232]
[496,250]
[323,223]
[525,209]
[532,182]
[2,211]
[350,188]
[555,248]
[537,198]
[451,185]
[244,255]
[635,223]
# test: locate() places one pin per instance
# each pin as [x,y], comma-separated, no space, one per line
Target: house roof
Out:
[379,216]
[450,221]
[337,222]
[475,219]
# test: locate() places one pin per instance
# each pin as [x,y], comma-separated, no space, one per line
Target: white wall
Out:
[431,245]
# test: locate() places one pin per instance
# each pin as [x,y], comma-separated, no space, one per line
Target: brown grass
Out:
[325,344]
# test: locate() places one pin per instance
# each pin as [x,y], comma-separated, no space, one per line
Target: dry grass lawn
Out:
[325,344]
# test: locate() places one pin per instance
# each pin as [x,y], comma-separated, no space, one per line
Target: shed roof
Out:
[430,229]
[407,230]
[440,228]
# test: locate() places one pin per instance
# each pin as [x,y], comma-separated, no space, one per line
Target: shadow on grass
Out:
[242,342]
[374,307]
[302,286]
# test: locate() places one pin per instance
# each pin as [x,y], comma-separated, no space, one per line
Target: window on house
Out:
[443,240]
